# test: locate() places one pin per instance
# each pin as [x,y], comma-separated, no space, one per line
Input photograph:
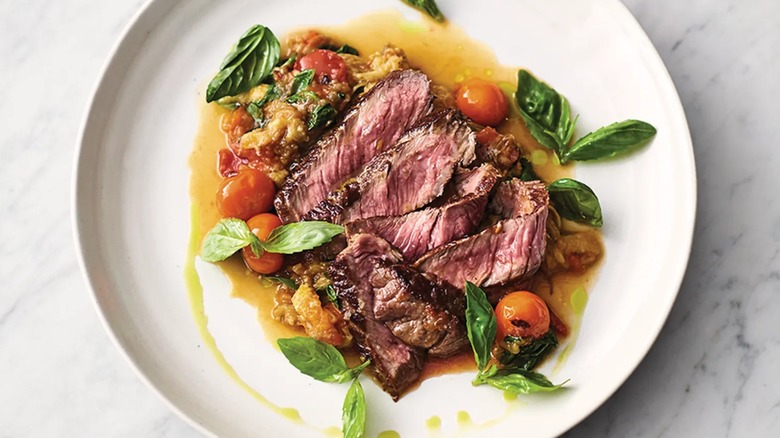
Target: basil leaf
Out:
[315,359]
[301,81]
[527,171]
[249,62]
[349,50]
[575,201]
[289,61]
[321,115]
[255,109]
[545,112]
[303,96]
[427,6]
[531,354]
[354,372]
[518,381]
[227,237]
[353,412]
[300,236]
[480,324]
[332,296]
[288,282]
[610,141]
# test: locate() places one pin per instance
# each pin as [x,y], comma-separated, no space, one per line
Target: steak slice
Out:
[374,123]
[357,272]
[406,177]
[420,231]
[510,250]
[422,313]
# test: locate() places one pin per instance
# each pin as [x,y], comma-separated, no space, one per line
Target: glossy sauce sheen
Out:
[447,55]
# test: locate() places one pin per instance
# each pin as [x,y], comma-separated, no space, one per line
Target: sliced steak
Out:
[406,177]
[422,313]
[510,250]
[421,231]
[363,267]
[373,124]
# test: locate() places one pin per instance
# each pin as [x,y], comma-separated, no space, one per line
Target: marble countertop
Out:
[712,371]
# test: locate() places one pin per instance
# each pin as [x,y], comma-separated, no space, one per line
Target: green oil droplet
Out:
[433,423]
[579,299]
[510,396]
[389,434]
[460,77]
[291,414]
[332,431]
[464,419]
[556,160]
[488,72]
[412,26]
[539,158]
[507,87]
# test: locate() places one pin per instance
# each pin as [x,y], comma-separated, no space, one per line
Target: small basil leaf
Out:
[480,324]
[314,358]
[255,109]
[610,141]
[545,112]
[575,201]
[531,354]
[250,61]
[346,48]
[321,115]
[519,381]
[301,81]
[303,96]
[300,236]
[527,171]
[289,61]
[427,6]
[332,296]
[291,284]
[353,412]
[227,237]
[353,372]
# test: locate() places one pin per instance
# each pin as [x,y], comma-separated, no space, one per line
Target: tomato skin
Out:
[268,263]
[482,101]
[522,314]
[328,66]
[248,193]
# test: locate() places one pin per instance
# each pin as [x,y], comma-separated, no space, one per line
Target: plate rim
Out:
[101,86]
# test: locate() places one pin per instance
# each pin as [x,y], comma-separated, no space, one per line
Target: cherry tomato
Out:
[248,193]
[522,314]
[328,66]
[481,101]
[269,262]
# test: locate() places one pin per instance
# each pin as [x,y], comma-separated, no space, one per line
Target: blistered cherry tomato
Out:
[269,262]
[522,314]
[328,66]
[248,193]
[481,101]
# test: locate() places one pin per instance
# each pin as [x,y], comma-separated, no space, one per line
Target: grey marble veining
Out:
[711,373]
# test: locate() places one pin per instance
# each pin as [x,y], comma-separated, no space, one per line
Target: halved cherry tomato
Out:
[522,314]
[481,101]
[328,66]
[269,262]
[249,193]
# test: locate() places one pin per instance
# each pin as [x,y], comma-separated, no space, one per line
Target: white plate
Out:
[132,214]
